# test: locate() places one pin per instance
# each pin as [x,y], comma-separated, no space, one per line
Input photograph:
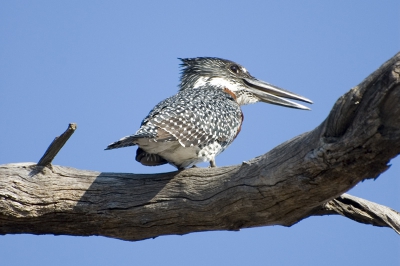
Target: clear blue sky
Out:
[105,64]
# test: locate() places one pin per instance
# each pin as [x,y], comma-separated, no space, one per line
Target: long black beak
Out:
[269,93]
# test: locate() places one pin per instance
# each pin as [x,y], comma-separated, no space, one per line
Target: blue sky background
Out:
[105,64]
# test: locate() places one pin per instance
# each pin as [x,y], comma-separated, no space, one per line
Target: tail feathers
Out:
[149,159]
[127,141]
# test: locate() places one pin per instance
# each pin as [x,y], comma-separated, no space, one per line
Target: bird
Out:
[204,117]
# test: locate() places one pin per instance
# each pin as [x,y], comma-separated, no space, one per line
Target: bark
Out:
[363,211]
[300,178]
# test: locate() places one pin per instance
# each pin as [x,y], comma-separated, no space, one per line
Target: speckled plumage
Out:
[203,121]
[204,117]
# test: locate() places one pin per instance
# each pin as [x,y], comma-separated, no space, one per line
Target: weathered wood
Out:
[363,211]
[56,145]
[295,180]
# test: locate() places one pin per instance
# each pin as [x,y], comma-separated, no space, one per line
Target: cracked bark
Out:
[302,177]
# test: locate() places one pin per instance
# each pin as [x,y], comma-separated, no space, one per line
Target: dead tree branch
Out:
[363,211]
[302,177]
[56,146]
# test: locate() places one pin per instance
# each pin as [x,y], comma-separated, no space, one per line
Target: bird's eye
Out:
[235,69]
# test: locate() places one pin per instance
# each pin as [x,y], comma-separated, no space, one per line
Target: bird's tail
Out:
[126,141]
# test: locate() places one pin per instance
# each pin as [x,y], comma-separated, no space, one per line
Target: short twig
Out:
[56,146]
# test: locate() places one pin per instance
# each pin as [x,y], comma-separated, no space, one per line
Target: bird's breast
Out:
[231,93]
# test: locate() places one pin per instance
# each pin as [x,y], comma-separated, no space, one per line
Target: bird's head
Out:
[203,72]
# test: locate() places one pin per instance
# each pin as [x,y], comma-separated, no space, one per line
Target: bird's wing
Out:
[192,117]
[196,117]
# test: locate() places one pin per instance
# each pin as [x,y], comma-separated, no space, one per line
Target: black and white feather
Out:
[190,127]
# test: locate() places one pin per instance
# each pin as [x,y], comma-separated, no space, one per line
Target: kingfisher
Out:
[205,116]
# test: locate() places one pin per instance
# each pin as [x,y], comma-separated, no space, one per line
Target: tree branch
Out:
[56,146]
[363,211]
[302,177]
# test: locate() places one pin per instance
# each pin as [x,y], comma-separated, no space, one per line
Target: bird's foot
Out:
[212,164]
